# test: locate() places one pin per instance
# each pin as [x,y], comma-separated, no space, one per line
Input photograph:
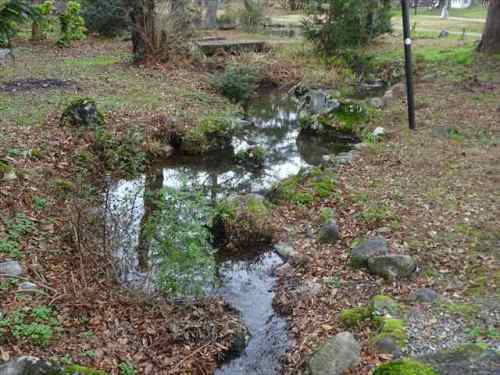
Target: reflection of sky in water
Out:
[271,123]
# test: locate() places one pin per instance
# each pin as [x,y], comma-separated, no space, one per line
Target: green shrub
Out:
[72,24]
[12,14]
[334,25]
[105,17]
[213,134]
[123,154]
[46,22]
[237,83]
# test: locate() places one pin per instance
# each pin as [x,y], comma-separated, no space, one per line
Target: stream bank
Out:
[243,277]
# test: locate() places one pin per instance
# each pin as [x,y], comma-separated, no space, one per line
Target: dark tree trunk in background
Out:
[142,15]
[36,32]
[490,42]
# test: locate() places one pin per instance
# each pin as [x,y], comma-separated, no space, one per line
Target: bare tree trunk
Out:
[490,41]
[444,11]
[142,15]
[36,31]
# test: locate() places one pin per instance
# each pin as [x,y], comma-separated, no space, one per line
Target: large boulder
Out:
[29,366]
[10,269]
[339,354]
[466,360]
[367,249]
[82,113]
[392,266]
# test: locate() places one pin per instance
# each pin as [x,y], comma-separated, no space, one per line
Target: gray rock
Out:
[388,345]
[10,269]
[377,103]
[29,366]
[443,34]
[368,248]
[28,288]
[388,97]
[360,146]
[466,360]
[5,54]
[329,232]
[346,157]
[425,295]
[285,250]
[392,266]
[338,354]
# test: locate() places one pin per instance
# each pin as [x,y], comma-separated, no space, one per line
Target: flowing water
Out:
[244,280]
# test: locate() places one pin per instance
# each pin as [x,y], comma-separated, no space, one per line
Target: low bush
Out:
[237,83]
[105,17]
[72,24]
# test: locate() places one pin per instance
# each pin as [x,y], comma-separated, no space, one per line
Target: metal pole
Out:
[408,65]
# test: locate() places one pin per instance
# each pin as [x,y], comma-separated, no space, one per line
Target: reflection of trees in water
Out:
[152,186]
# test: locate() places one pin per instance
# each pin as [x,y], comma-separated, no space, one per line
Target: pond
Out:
[244,279]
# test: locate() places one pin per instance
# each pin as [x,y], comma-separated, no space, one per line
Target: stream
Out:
[245,280]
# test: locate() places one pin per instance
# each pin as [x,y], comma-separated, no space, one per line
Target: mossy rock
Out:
[82,113]
[383,307]
[393,328]
[81,370]
[354,316]
[469,359]
[404,367]
[243,223]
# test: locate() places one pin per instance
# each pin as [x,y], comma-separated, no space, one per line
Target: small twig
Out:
[191,355]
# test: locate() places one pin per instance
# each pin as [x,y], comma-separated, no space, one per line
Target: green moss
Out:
[305,188]
[466,310]
[352,317]
[394,328]
[384,306]
[404,367]
[81,370]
